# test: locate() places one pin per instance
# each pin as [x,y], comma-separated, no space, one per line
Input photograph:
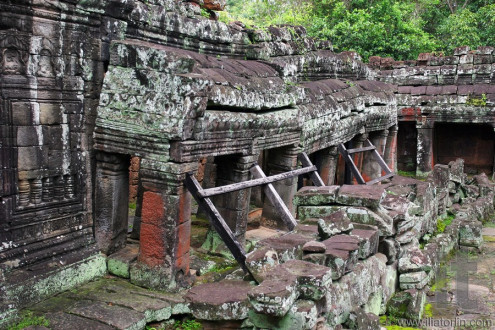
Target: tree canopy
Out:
[397,28]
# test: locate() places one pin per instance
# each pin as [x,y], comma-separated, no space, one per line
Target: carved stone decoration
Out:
[36,191]
[47,189]
[69,187]
[12,62]
[58,188]
[45,65]
[24,191]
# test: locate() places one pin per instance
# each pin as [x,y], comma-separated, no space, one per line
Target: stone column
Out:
[358,158]
[390,156]
[371,167]
[111,201]
[165,234]
[327,164]
[234,206]
[425,160]
[281,160]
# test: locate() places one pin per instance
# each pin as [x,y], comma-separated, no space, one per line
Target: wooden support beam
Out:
[386,176]
[315,177]
[217,222]
[356,150]
[253,183]
[275,199]
[348,160]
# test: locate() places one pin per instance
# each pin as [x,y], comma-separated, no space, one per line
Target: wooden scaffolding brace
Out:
[202,197]
[346,154]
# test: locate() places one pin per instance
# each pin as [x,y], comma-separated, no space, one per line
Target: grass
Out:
[187,325]
[29,319]
[443,223]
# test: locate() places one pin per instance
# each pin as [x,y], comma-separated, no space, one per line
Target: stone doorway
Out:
[407,137]
[472,142]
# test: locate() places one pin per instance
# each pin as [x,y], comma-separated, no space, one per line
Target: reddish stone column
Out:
[165,234]
[111,201]
[424,156]
[281,160]
[358,158]
[327,164]
[390,156]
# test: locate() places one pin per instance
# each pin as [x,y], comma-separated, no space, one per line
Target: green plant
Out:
[477,102]
[443,223]
[187,325]
[29,319]
[132,205]
[205,13]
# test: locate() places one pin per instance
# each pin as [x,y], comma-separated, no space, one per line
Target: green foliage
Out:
[29,319]
[428,312]
[477,101]
[398,28]
[205,13]
[443,223]
[132,205]
[187,325]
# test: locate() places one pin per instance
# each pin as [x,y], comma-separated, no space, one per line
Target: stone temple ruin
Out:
[86,86]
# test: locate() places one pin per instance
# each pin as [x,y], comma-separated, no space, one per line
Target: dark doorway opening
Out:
[407,140]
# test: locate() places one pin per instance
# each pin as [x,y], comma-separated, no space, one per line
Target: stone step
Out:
[119,262]
[224,300]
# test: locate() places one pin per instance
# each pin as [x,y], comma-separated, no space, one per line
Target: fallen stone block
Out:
[308,212]
[308,230]
[261,261]
[275,296]
[361,195]
[383,222]
[415,280]
[335,223]
[457,170]
[368,242]
[314,247]
[313,280]
[359,319]
[288,246]
[414,260]
[311,195]
[316,258]
[225,300]
[407,304]
[341,253]
[302,315]
[470,233]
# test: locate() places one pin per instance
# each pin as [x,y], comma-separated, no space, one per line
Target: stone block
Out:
[307,230]
[314,247]
[27,136]
[316,196]
[303,315]
[288,246]
[333,224]
[25,113]
[31,158]
[407,304]
[414,280]
[261,261]
[274,297]
[308,212]
[51,114]
[312,280]
[390,248]
[368,242]
[382,221]
[359,319]
[470,233]
[119,263]
[361,195]
[225,300]
[414,260]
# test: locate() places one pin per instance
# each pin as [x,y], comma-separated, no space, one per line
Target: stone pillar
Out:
[281,160]
[165,234]
[358,158]
[327,164]
[390,156]
[425,160]
[111,201]
[371,167]
[234,206]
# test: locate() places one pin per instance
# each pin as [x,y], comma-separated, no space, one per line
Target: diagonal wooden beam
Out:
[315,177]
[275,199]
[217,222]
[348,160]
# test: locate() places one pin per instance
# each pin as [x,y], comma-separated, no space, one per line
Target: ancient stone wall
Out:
[437,89]
[178,87]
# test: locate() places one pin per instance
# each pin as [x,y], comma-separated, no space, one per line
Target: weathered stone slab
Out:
[414,280]
[112,315]
[225,300]
[359,319]
[384,222]
[119,263]
[414,260]
[361,195]
[261,261]
[303,315]
[407,304]
[307,230]
[61,321]
[288,246]
[314,247]
[275,296]
[316,196]
[333,224]
[470,233]
[368,242]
